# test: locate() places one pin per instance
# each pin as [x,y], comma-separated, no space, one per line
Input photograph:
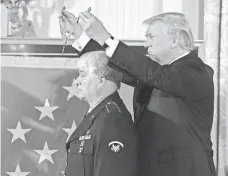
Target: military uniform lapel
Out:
[89,119]
[82,128]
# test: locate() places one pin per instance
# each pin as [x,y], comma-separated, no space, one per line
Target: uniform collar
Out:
[92,114]
[90,117]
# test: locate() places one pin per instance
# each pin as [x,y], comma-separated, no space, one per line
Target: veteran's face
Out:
[88,83]
[158,42]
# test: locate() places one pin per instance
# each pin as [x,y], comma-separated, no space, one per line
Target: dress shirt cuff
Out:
[112,47]
[81,42]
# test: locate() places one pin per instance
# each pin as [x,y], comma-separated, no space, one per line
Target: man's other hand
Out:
[93,27]
[69,24]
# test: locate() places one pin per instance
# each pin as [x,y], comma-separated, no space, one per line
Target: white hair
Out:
[98,60]
[177,26]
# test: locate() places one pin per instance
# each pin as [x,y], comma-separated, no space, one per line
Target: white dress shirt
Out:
[82,41]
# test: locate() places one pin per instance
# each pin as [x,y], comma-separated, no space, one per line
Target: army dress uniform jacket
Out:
[105,143]
[173,111]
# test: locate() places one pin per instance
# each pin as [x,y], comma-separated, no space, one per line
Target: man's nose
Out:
[77,82]
[146,44]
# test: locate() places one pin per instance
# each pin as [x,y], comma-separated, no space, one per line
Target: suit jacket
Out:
[105,143]
[174,135]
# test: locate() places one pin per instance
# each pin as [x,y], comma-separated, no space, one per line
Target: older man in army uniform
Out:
[105,143]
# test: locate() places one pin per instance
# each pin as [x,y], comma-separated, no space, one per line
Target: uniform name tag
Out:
[85,137]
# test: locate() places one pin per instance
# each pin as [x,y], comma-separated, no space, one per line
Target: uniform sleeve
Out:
[116,148]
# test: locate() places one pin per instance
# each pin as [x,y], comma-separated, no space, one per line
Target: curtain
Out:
[123,18]
[216,55]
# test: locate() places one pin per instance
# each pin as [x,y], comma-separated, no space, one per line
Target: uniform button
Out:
[80,47]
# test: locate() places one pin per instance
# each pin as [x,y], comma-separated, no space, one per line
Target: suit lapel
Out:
[142,94]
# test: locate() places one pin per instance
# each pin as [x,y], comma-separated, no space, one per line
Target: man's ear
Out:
[175,43]
[102,81]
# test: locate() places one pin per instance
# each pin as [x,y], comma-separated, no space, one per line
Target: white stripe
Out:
[39,54]
[38,62]
[54,41]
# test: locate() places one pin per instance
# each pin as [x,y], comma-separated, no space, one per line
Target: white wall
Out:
[121,17]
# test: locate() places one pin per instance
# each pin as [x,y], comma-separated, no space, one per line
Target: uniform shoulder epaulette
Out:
[112,106]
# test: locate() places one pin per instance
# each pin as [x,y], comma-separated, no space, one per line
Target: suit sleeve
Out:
[183,79]
[92,45]
[115,153]
[126,78]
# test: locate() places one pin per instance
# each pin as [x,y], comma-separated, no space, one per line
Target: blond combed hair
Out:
[98,61]
[177,26]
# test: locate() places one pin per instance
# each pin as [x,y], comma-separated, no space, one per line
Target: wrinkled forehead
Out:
[83,65]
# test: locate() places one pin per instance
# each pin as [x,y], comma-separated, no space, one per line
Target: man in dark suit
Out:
[105,143]
[173,96]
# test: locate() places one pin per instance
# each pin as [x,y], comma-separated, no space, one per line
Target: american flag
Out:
[38,114]
[39,110]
